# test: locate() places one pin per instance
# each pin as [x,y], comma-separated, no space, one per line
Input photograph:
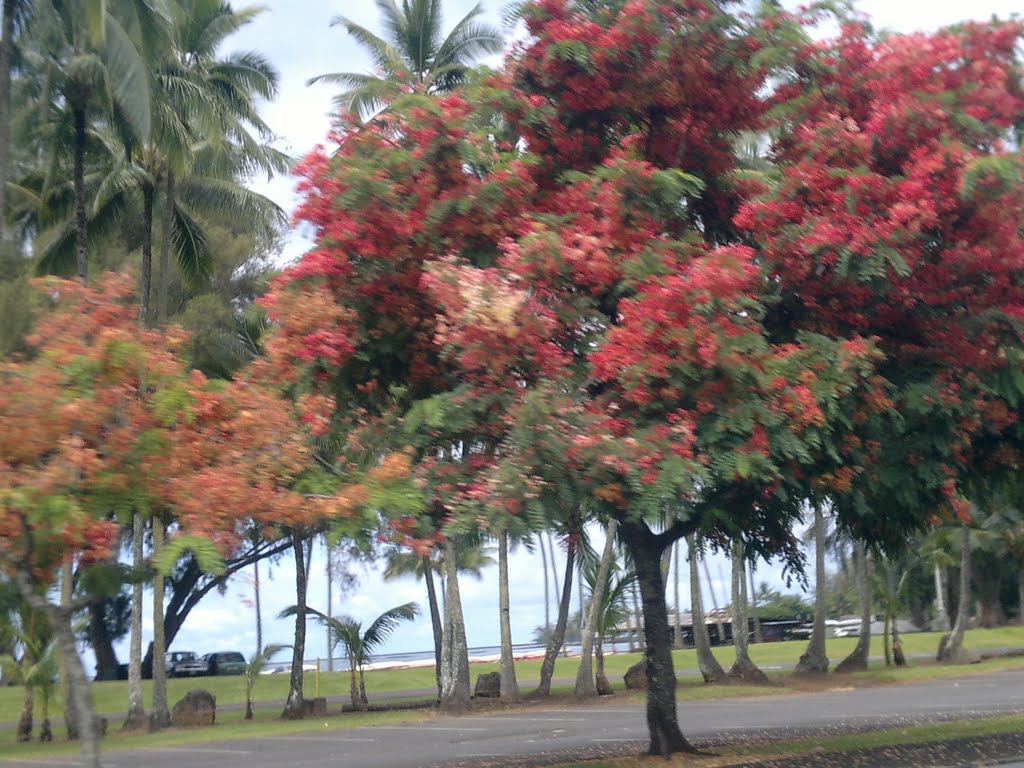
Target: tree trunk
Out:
[585,687]
[814,660]
[547,593]
[897,646]
[330,604]
[744,668]
[710,669]
[80,701]
[353,683]
[23,732]
[101,642]
[81,220]
[6,45]
[941,614]
[455,689]
[136,719]
[554,566]
[147,251]
[293,709]
[164,276]
[885,638]
[81,692]
[951,647]
[159,712]
[67,589]
[719,623]
[646,549]
[554,647]
[259,609]
[679,616]
[634,634]
[509,684]
[857,661]
[752,604]
[435,619]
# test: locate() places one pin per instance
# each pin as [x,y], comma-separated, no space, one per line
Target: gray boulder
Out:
[636,677]
[488,686]
[197,707]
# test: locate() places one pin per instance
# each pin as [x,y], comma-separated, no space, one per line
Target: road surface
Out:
[608,724]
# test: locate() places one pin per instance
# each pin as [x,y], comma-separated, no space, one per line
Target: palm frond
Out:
[385,625]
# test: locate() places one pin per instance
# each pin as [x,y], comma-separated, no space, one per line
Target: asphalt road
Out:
[535,731]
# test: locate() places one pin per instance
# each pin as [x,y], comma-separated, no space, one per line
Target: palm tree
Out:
[360,645]
[857,660]
[951,646]
[15,13]
[744,668]
[254,668]
[509,686]
[31,662]
[413,54]
[473,557]
[710,669]
[814,660]
[97,56]
[136,718]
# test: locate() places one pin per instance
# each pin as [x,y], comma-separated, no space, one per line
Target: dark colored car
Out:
[225,663]
[184,664]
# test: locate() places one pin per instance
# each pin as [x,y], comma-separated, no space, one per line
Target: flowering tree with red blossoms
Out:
[562,284]
[104,419]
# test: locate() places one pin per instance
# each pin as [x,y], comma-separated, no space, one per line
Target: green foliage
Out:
[203,549]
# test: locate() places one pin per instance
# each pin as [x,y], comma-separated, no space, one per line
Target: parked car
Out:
[184,664]
[225,663]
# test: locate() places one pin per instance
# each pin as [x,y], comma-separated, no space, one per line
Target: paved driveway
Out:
[609,724]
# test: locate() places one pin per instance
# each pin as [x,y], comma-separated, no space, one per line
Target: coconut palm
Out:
[744,668]
[96,55]
[254,668]
[814,660]
[710,669]
[359,645]
[15,14]
[951,646]
[31,660]
[472,556]
[413,54]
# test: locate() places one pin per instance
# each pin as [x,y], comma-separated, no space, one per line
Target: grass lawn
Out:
[271,691]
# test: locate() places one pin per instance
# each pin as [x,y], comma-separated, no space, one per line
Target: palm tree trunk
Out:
[941,614]
[585,687]
[679,616]
[719,621]
[293,707]
[159,711]
[23,733]
[81,692]
[710,669]
[164,276]
[435,618]
[752,605]
[330,605]
[81,221]
[101,642]
[547,667]
[1020,594]
[455,688]
[547,594]
[814,660]
[67,587]
[744,668]
[148,194]
[6,44]
[858,659]
[363,701]
[636,621]
[259,610]
[662,720]
[136,718]
[951,647]
[509,684]
[554,568]
[353,689]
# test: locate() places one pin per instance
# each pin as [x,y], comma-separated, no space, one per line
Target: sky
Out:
[297,37]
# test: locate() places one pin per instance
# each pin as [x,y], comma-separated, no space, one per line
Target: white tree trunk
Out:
[136,708]
[814,660]
[585,687]
[710,669]
[509,684]
[455,687]
[160,714]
